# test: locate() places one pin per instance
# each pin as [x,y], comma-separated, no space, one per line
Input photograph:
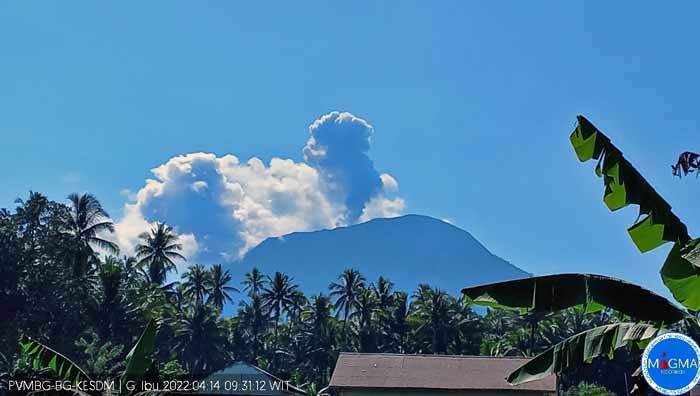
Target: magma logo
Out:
[670,364]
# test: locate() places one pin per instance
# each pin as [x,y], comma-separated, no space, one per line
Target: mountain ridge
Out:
[409,250]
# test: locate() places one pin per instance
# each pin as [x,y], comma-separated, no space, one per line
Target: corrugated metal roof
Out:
[359,370]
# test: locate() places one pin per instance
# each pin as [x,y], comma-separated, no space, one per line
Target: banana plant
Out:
[583,348]
[136,362]
[547,294]
[592,293]
[655,225]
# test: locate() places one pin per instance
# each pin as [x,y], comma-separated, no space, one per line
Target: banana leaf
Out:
[624,185]
[42,357]
[681,273]
[138,361]
[550,293]
[656,223]
[582,348]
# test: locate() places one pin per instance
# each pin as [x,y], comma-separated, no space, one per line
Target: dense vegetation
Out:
[64,284]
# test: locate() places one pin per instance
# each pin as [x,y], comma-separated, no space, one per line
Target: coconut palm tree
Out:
[253,323]
[108,303]
[85,224]
[254,282]
[294,311]
[319,336]
[279,295]
[133,276]
[196,283]
[319,313]
[219,291]
[157,252]
[468,331]
[433,310]
[346,292]
[384,293]
[201,339]
[399,327]
[365,317]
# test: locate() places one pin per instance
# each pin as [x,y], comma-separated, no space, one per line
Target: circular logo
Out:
[670,364]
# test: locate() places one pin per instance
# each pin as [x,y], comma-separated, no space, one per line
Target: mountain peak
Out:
[409,250]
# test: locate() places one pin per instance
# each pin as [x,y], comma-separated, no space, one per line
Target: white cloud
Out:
[222,207]
[389,183]
[382,207]
[199,185]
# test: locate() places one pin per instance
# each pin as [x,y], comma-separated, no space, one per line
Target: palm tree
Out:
[319,336]
[346,292]
[108,303]
[157,251]
[201,339]
[294,311]
[253,321]
[219,291]
[196,283]
[383,292]
[318,313]
[84,224]
[398,324]
[365,314]
[279,296]
[253,282]
[434,313]
[132,274]
[468,331]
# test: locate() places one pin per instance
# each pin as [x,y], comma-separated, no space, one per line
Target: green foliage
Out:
[656,223]
[588,389]
[591,293]
[314,390]
[583,348]
[138,360]
[624,185]
[101,357]
[41,356]
[200,338]
[540,296]
[218,287]
[157,253]
[507,333]
[681,274]
[93,311]
[172,370]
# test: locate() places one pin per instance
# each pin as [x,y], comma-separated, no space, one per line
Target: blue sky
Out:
[471,103]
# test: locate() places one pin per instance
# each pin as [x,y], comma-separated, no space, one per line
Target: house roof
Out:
[359,370]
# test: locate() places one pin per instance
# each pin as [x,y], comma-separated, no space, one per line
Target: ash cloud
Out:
[222,207]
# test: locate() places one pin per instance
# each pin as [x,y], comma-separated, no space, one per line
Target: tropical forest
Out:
[72,306]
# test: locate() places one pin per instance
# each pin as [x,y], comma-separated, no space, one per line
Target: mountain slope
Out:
[409,250]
